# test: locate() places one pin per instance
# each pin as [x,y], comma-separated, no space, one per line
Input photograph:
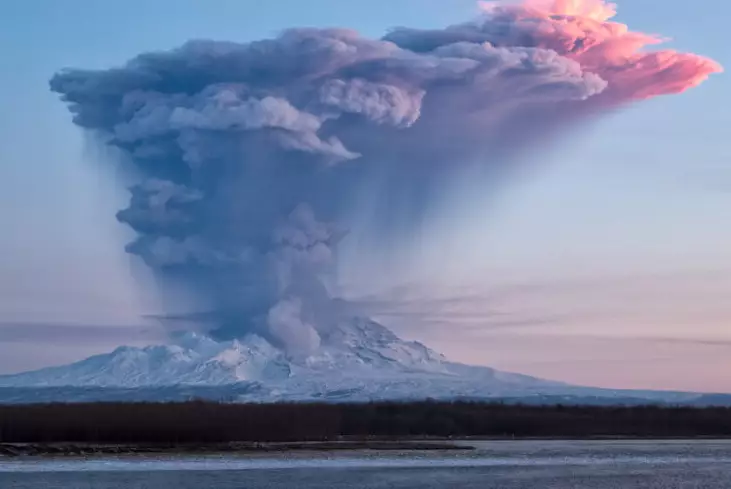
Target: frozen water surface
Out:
[493,465]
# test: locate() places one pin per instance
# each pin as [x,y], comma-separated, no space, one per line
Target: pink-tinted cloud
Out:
[232,141]
[583,30]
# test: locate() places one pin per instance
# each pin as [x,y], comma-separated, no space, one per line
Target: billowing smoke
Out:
[251,157]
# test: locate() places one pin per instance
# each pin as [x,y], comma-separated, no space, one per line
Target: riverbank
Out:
[103,449]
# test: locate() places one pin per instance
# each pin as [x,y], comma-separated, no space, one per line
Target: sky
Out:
[605,262]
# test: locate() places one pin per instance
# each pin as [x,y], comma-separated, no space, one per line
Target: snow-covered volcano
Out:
[359,361]
[360,357]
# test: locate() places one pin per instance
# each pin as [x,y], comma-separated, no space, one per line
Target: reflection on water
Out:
[503,465]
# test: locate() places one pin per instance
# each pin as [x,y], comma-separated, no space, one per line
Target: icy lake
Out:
[494,464]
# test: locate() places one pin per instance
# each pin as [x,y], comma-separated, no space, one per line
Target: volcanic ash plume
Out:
[251,157]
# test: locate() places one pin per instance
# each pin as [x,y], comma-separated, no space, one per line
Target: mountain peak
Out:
[358,360]
[357,347]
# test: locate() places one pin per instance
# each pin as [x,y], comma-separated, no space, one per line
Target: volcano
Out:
[359,361]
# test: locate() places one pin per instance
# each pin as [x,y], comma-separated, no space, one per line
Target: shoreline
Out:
[71,449]
[12,450]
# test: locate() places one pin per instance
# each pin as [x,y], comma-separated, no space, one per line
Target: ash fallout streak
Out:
[250,158]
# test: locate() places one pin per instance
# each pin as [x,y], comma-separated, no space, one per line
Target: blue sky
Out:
[616,242]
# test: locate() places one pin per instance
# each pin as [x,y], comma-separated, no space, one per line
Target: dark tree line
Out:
[207,422]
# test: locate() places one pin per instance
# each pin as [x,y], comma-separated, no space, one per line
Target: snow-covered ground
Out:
[359,360]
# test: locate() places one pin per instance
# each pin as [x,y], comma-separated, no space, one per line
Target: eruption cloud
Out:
[250,158]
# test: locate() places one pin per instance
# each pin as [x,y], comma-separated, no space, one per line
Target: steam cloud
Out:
[251,157]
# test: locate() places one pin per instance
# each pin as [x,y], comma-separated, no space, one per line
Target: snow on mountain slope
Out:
[194,360]
[359,360]
[359,355]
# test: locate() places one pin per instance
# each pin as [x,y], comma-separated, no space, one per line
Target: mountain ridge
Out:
[359,360]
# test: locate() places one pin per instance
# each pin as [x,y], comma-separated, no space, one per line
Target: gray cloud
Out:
[251,157]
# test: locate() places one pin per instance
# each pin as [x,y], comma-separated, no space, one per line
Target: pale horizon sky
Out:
[607,263]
